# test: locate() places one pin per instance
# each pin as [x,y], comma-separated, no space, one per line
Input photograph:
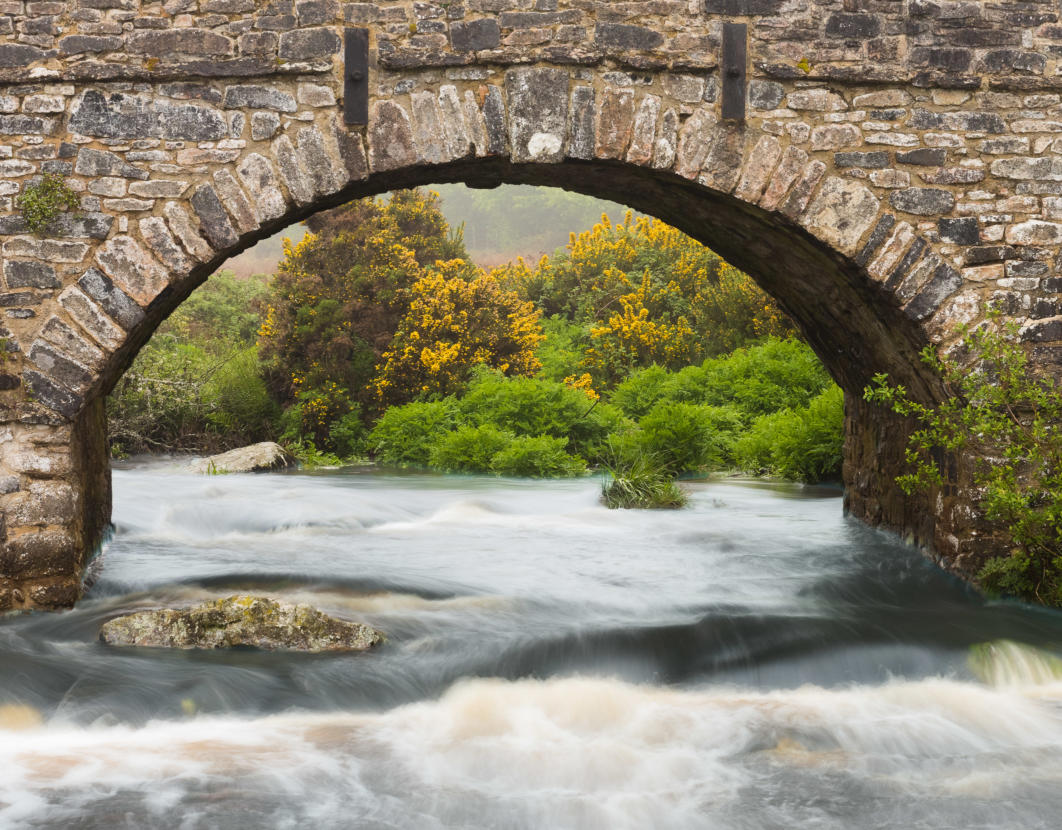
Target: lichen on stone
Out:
[240,620]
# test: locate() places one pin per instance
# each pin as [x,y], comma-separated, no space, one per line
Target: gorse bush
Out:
[1007,418]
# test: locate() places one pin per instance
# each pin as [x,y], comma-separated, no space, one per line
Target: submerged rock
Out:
[256,458]
[258,622]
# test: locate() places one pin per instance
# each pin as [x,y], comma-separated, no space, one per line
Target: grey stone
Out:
[494,114]
[924,156]
[91,318]
[475,35]
[156,234]
[256,458]
[390,138]
[872,160]
[132,269]
[944,282]
[291,173]
[258,177]
[923,201]
[643,135]
[841,213]
[694,141]
[964,231]
[323,167]
[264,125]
[118,305]
[538,113]
[64,338]
[20,273]
[257,96]
[27,125]
[49,393]
[80,44]
[853,26]
[619,36]
[129,117]
[159,189]
[765,95]
[214,221]
[581,123]
[186,232]
[60,367]
[476,124]
[665,148]
[427,128]
[309,44]
[245,621]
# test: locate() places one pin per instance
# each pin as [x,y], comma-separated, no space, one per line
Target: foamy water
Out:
[753,661]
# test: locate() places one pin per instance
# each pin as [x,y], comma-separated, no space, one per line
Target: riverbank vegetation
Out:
[633,349]
[1004,417]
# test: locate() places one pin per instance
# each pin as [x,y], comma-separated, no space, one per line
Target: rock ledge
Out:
[251,459]
[240,620]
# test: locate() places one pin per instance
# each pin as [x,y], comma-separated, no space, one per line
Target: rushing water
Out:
[753,661]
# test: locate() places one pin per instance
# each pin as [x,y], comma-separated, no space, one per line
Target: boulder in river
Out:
[255,458]
[259,622]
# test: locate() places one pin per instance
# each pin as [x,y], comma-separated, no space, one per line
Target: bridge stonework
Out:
[899,168]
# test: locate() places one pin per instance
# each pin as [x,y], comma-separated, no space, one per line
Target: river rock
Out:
[253,621]
[255,458]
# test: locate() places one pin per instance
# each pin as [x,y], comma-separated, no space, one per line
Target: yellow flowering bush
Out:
[459,317]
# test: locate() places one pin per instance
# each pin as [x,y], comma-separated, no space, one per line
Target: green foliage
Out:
[184,397]
[537,456]
[1008,420]
[468,449]
[641,390]
[225,308]
[563,348]
[685,437]
[639,480]
[534,407]
[43,200]
[802,444]
[405,434]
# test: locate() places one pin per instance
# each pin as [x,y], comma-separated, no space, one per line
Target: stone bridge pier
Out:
[891,169]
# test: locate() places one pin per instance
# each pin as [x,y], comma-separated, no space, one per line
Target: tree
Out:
[458,317]
[340,293]
[1008,421]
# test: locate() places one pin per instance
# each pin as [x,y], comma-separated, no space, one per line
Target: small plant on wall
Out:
[43,200]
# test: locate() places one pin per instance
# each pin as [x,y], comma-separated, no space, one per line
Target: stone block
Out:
[644,132]
[841,213]
[30,274]
[309,44]
[615,123]
[258,177]
[475,35]
[132,269]
[91,318]
[581,137]
[214,222]
[390,138]
[923,201]
[538,113]
[258,96]
[118,305]
[154,231]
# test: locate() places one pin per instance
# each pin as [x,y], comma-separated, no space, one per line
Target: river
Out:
[752,661]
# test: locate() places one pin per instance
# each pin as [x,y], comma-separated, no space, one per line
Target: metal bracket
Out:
[735,48]
[356,76]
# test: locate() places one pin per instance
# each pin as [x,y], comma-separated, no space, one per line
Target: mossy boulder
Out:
[258,622]
[255,458]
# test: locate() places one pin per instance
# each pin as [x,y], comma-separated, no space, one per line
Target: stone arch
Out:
[867,289]
[896,169]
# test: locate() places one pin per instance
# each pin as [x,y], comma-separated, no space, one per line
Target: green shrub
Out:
[236,396]
[538,456]
[562,349]
[43,200]
[641,390]
[348,435]
[639,480]
[405,434]
[683,437]
[533,407]
[803,444]
[776,375]
[469,449]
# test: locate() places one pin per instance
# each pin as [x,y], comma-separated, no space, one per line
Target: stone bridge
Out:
[895,166]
